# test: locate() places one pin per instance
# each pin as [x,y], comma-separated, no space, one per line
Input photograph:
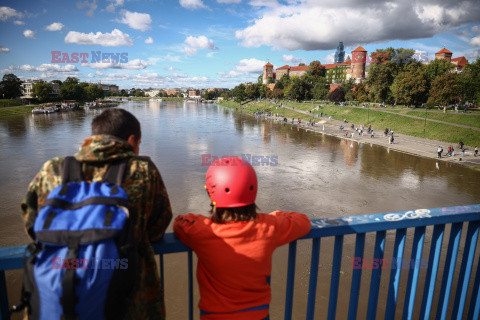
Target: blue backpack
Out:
[84,263]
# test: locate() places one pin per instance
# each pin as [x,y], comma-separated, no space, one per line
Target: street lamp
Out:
[425,124]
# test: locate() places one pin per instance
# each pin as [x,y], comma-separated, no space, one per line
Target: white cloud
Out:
[263,3]
[476,29]
[192,4]
[319,25]
[115,3]
[475,42]
[49,68]
[7,13]
[330,58]
[136,20]
[229,1]
[4,50]
[19,22]
[190,51]
[250,65]
[171,69]
[149,40]
[292,60]
[136,64]
[114,39]
[200,42]
[29,34]
[56,26]
[91,6]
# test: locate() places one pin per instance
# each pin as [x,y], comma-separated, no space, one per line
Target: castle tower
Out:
[359,60]
[340,53]
[267,72]
[444,54]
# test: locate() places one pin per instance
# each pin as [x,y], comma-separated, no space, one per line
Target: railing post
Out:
[336,265]
[312,286]
[417,249]
[449,270]
[356,278]
[4,312]
[432,270]
[190,285]
[466,268]
[395,274]
[376,275]
[292,252]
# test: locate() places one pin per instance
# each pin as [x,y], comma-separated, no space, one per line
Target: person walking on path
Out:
[476,151]
[116,136]
[439,151]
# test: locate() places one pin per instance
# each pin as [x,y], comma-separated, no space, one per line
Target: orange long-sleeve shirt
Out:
[235,259]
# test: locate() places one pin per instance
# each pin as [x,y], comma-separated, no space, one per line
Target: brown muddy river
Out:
[315,174]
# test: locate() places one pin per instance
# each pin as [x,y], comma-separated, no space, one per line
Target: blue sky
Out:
[218,43]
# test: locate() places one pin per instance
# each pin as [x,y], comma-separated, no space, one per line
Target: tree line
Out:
[390,81]
[70,89]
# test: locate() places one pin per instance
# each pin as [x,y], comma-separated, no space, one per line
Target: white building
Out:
[152,93]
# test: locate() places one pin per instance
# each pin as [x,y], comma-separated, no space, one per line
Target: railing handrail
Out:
[12,257]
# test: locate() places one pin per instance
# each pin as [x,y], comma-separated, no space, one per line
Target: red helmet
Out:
[231,182]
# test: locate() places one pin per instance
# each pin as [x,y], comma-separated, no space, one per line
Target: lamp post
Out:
[425,124]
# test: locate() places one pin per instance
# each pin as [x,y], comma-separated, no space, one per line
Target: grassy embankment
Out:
[381,120]
[255,106]
[5,111]
[400,124]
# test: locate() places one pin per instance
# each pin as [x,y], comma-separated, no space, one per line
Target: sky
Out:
[216,43]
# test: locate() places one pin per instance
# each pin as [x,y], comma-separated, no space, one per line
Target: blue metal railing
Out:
[447,304]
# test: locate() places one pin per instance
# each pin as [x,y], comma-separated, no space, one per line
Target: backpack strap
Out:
[115,174]
[72,172]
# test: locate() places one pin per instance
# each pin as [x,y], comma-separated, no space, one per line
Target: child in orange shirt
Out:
[235,245]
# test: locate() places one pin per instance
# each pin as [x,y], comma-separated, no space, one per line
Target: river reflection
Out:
[319,175]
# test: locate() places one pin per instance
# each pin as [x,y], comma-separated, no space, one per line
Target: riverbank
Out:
[16,111]
[331,120]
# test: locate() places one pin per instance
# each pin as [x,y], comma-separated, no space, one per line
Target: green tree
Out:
[260,79]
[316,69]
[301,64]
[57,82]
[269,80]
[337,95]
[469,82]
[93,92]
[139,93]
[72,90]
[239,93]
[410,87]
[42,91]
[321,89]
[437,68]
[298,89]
[11,86]
[444,90]
[283,82]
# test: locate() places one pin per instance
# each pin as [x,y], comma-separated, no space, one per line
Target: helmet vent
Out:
[227,190]
[251,187]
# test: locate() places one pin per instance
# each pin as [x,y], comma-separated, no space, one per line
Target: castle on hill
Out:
[354,68]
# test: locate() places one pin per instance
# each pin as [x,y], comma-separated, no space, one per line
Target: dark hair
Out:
[116,122]
[222,215]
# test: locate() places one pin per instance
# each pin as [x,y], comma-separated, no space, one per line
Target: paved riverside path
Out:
[403,143]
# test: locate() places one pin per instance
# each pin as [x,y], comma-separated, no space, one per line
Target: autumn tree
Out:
[316,69]
[337,95]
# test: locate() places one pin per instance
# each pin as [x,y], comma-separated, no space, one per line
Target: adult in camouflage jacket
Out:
[148,201]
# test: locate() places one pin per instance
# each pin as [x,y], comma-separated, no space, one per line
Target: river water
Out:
[312,173]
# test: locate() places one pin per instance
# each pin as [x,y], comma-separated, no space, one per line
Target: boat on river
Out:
[155,100]
[99,104]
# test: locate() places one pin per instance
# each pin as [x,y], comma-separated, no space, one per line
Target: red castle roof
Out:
[284,67]
[444,51]
[359,49]
[460,61]
[299,68]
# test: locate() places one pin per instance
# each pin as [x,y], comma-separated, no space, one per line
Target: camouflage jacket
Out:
[148,201]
